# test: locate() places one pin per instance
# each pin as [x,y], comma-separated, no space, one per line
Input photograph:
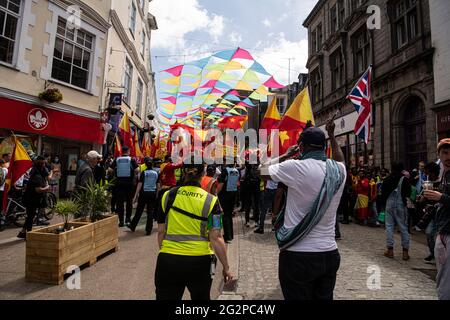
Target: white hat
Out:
[93,154]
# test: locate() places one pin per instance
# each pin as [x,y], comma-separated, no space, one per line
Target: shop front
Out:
[443,123]
[357,153]
[63,135]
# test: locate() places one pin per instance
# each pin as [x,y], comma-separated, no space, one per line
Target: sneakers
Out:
[389,253]
[260,231]
[429,260]
[129,226]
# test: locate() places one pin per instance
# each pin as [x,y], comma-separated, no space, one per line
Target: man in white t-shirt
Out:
[308,267]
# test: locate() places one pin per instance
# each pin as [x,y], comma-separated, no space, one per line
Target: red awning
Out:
[21,116]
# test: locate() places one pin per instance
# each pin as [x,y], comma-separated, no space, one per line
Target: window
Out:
[140,90]
[143,44]
[341,13]
[361,48]
[337,69]
[9,21]
[132,25]
[415,141]
[313,42]
[281,104]
[316,86]
[319,37]
[405,26]
[72,55]
[127,82]
[333,19]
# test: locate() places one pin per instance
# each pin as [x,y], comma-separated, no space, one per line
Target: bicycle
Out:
[49,210]
[15,213]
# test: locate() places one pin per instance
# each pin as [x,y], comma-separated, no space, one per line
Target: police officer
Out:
[145,196]
[229,177]
[189,224]
[124,168]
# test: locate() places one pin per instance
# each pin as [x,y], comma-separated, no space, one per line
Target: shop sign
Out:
[38,119]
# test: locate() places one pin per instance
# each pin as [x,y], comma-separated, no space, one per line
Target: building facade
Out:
[341,48]
[69,46]
[440,37]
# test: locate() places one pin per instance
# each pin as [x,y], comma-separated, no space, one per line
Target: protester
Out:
[229,177]
[442,245]
[394,191]
[145,196]
[54,182]
[85,173]
[124,168]
[362,200]
[7,158]
[267,203]
[208,183]
[252,199]
[309,258]
[37,186]
[186,213]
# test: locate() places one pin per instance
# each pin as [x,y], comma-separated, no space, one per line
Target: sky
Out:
[271,30]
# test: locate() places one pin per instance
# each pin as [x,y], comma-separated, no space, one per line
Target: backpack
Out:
[2,177]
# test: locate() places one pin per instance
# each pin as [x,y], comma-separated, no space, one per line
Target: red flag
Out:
[117,148]
[234,122]
[146,147]
[19,165]
[137,150]
[272,117]
[125,131]
[155,146]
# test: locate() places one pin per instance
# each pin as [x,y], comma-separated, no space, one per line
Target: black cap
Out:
[148,160]
[314,137]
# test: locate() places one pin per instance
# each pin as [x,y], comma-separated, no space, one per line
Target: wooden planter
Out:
[48,255]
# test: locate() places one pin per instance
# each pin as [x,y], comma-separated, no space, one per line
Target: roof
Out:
[313,13]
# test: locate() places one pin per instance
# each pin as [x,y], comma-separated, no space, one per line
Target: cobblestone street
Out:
[360,248]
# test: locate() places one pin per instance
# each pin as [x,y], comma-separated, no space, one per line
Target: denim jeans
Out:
[396,214]
[442,256]
[267,202]
[431,232]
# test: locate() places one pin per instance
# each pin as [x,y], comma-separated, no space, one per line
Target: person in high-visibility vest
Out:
[208,183]
[189,234]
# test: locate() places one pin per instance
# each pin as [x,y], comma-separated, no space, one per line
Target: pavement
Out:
[127,274]
[362,260]
[253,258]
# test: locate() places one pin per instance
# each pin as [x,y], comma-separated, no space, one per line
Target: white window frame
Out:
[132,23]
[19,17]
[74,43]
[139,95]
[128,86]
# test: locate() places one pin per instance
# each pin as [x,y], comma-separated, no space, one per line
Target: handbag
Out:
[382,217]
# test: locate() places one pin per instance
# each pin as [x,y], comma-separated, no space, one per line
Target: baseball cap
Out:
[93,154]
[148,160]
[314,137]
[442,143]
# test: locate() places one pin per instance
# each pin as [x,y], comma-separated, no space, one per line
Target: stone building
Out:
[341,48]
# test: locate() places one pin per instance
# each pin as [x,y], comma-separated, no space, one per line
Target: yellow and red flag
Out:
[117,148]
[272,117]
[295,120]
[20,163]
[146,147]
[156,145]
[125,131]
[234,122]
[137,150]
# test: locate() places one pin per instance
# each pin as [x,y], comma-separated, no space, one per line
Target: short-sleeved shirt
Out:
[142,179]
[304,179]
[216,211]
[129,179]
[167,174]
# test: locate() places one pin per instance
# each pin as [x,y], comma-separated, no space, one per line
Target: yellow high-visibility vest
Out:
[188,235]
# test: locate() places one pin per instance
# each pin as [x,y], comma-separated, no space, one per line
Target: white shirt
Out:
[304,179]
[5,172]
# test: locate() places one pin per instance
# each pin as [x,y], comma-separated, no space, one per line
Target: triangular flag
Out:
[271,83]
[173,81]
[175,71]
[242,54]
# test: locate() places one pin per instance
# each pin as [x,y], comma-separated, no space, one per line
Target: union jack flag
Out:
[361,99]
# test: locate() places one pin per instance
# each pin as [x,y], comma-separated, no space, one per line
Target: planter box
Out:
[48,255]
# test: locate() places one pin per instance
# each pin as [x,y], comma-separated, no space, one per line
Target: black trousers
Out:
[253,199]
[158,200]
[124,197]
[227,199]
[308,275]
[31,213]
[146,199]
[174,273]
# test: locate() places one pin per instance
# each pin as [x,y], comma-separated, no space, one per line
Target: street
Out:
[129,273]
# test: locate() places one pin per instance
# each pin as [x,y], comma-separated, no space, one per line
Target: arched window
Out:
[415,132]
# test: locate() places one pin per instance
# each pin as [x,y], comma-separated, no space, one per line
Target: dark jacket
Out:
[443,212]
[84,175]
[390,184]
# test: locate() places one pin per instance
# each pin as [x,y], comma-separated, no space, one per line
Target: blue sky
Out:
[270,29]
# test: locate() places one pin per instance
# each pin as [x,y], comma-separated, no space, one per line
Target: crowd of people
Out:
[307,195]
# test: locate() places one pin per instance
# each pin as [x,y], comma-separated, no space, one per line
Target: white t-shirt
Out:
[304,179]
[5,172]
